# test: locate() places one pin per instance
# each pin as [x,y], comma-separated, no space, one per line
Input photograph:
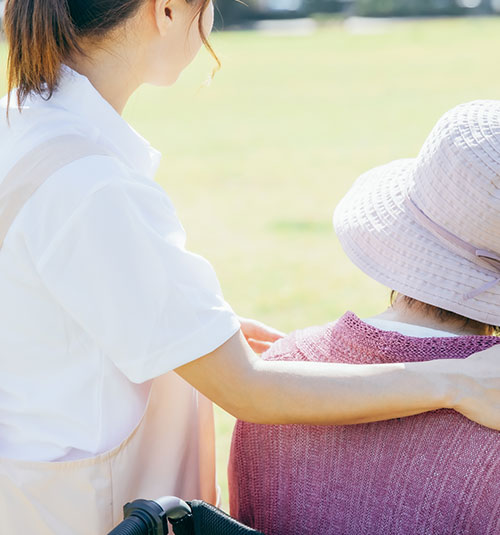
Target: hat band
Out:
[471,252]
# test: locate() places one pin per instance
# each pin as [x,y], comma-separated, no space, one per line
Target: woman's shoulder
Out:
[87,182]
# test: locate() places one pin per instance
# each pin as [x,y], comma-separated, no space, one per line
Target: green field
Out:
[256,162]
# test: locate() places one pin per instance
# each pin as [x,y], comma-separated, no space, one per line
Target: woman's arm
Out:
[279,392]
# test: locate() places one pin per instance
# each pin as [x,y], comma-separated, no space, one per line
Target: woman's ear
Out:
[163,15]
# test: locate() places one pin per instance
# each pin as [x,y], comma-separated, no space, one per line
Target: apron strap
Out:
[34,168]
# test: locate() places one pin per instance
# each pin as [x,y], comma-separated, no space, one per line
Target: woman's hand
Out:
[478,387]
[260,337]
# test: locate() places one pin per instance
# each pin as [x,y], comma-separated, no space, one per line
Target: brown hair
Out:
[42,33]
[442,315]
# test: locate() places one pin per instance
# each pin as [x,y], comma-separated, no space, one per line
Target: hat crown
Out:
[456,180]
[430,227]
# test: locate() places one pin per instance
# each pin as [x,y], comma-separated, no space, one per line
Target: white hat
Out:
[430,227]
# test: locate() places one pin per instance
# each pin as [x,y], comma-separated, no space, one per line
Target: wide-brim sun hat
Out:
[429,227]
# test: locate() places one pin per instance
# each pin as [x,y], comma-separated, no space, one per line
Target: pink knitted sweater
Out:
[436,473]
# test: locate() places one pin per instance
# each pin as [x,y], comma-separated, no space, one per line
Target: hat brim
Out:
[380,236]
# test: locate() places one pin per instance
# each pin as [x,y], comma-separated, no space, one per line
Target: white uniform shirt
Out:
[98,294]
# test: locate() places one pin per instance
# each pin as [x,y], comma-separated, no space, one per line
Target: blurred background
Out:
[311,94]
[239,13]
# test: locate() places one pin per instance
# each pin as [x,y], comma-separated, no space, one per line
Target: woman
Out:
[427,228]
[101,302]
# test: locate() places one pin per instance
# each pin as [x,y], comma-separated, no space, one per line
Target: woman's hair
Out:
[442,315]
[41,34]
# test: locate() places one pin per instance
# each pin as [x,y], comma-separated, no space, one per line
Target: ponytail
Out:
[40,34]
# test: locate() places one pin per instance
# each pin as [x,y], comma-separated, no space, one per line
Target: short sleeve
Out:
[118,266]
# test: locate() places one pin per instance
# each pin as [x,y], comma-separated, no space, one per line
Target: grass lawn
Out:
[256,162]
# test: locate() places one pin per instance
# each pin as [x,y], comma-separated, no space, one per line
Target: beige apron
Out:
[85,497]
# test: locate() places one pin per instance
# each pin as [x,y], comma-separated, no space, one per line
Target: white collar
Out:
[76,94]
[408,329]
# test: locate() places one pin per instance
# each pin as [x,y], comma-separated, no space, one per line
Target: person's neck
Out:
[403,313]
[110,72]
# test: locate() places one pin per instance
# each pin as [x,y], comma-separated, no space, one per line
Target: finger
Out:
[266,335]
[259,331]
[257,346]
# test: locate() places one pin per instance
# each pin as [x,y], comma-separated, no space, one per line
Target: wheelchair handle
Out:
[174,508]
[149,517]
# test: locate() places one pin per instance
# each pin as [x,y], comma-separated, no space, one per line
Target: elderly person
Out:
[429,229]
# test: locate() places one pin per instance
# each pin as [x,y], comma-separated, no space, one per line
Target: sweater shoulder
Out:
[308,344]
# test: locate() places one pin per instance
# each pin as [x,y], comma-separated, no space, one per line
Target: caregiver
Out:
[101,302]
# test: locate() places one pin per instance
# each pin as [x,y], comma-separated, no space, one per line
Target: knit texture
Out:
[436,473]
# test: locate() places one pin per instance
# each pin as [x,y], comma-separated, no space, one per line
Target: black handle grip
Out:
[131,526]
[142,517]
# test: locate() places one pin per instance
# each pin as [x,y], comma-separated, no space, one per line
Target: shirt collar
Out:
[77,95]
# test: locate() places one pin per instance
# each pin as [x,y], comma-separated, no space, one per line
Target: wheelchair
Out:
[151,517]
